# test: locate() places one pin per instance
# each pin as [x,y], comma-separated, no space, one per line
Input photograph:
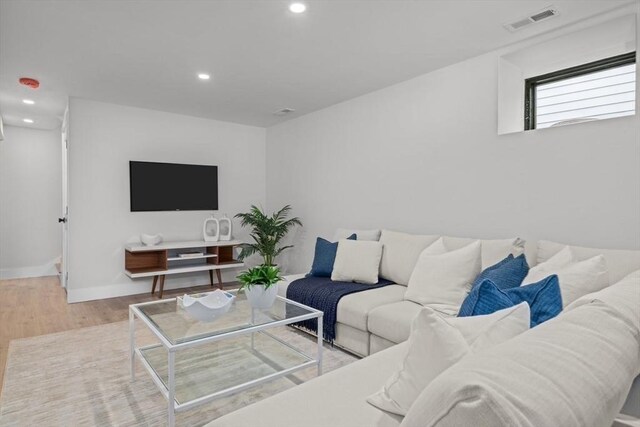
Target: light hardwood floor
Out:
[38,306]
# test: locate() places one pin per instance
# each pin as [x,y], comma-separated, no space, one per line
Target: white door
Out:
[64,217]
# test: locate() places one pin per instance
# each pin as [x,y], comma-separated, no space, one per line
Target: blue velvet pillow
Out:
[508,273]
[325,256]
[543,298]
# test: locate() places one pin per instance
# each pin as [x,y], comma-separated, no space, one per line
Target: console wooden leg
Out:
[211,277]
[219,278]
[155,281]
[161,286]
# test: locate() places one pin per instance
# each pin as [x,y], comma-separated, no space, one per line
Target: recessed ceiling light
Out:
[29,101]
[28,120]
[297,7]
[204,76]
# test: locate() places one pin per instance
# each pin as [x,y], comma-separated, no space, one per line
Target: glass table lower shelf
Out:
[223,367]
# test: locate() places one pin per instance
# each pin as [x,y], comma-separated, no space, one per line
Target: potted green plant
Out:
[267,231]
[259,283]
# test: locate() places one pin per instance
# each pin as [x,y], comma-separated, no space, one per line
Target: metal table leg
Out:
[172,388]
[319,355]
[132,344]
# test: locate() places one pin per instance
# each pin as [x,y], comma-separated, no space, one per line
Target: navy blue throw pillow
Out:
[508,273]
[543,298]
[325,256]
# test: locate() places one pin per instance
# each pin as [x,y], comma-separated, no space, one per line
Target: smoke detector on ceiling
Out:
[542,15]
[29,82]
[284,111]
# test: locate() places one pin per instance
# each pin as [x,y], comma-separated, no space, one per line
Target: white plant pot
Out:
[261,298]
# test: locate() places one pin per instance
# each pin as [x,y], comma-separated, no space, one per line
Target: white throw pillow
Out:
[436,343]
[623,296]
[551,266]
[400,253]
[620,262]
[581,278]
[357,261]
[443,280]
[576,278]
[493,250]
[343,233]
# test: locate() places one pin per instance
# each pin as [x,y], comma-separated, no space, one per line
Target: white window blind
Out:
[599,95]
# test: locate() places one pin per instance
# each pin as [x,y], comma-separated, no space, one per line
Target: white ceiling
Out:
[262,57]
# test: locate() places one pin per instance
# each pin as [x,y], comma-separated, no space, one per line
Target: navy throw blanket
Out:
[323,294]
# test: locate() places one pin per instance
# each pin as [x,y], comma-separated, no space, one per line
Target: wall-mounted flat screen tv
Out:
[172,187]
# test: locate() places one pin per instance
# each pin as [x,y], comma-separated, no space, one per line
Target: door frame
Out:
[64,271]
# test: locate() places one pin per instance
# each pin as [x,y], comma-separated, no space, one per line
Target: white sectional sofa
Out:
[370,321]
[592,349]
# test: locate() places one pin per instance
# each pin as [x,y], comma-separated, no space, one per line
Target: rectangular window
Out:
[599,90]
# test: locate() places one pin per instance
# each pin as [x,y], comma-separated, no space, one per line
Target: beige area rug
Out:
[81,378]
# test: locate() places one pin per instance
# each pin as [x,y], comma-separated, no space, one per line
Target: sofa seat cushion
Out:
[393,321]
[354,309]
[378,344]
[334,399]
[353,340]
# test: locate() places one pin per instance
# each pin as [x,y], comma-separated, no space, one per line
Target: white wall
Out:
[424,156]
[103,138]
[30,202]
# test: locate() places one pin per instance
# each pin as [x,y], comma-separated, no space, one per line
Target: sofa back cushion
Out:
[619,262]
[400,253]
[344,233]
[573,371]
[493,250]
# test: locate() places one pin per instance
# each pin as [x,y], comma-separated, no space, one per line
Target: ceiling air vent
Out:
[284,111]
[546,13]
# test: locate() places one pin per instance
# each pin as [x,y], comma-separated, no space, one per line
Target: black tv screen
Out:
[172,187]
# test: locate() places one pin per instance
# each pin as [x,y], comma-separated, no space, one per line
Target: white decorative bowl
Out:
[150,239]
[209,306]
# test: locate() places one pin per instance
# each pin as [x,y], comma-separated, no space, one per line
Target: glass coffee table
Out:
[196,362]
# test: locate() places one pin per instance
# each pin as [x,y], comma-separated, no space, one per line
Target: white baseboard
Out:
[47,269]
[134,287]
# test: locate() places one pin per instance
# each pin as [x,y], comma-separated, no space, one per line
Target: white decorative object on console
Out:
[211,229]
[225,228]
[150,239]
